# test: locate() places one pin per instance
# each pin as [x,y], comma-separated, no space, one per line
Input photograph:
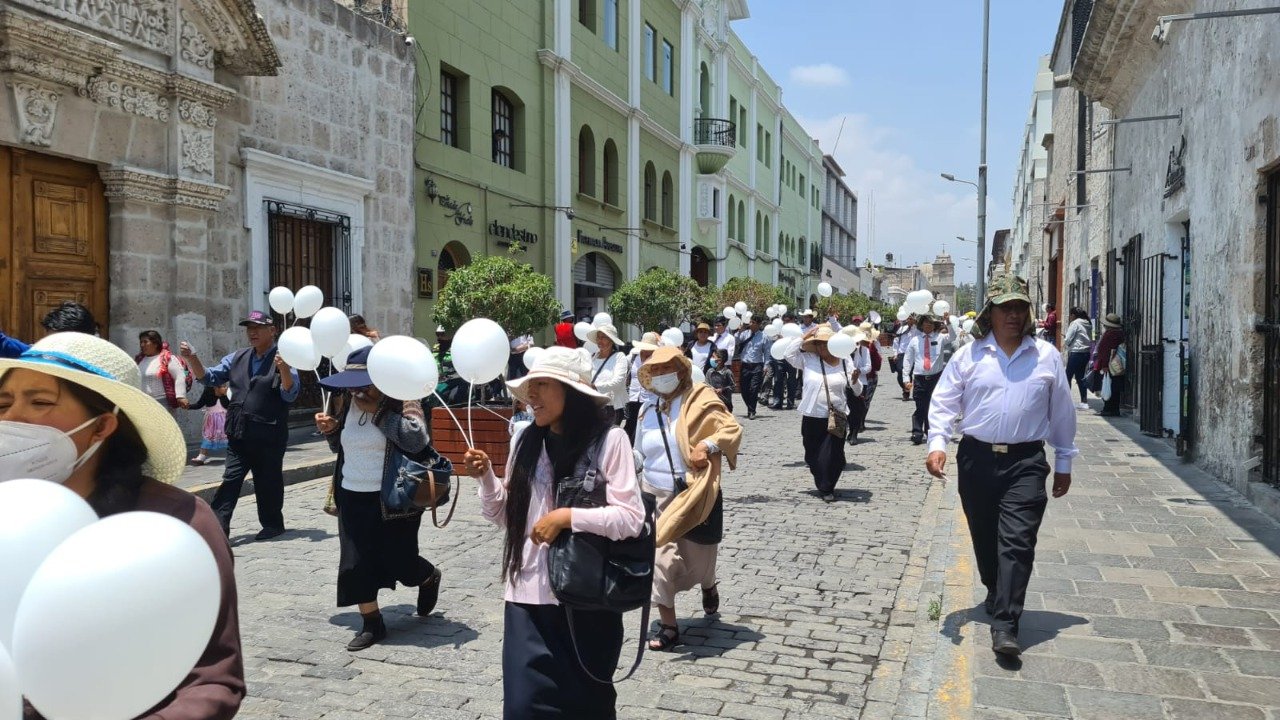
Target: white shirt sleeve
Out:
[946,402]
[1062,418]
[793,354]
[908,359]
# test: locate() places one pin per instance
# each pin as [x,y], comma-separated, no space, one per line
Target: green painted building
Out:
[596,139]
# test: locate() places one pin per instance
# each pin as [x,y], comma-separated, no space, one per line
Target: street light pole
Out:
[982,159]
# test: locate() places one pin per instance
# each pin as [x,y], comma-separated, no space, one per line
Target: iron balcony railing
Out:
[715,131]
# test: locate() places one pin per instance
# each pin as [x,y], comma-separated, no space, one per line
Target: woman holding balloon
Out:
[145,624]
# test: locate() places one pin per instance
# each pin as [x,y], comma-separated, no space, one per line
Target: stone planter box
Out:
[489,432]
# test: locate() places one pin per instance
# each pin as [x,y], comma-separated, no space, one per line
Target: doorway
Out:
[53,240]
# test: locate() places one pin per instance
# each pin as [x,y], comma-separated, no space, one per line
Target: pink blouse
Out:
[622,518]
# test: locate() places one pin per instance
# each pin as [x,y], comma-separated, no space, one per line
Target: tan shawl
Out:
[702,417]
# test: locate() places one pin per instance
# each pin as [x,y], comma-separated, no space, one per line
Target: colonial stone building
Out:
[166,162]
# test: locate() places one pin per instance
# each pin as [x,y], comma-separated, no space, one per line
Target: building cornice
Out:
[125,183]
[1117,53]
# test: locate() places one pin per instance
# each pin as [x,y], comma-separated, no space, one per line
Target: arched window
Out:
[704,92]
[610,172]
[586,162]
[742,221]
[767,225]
[506,129]
[733,214]
[759,226]
[668,201]
[650,192]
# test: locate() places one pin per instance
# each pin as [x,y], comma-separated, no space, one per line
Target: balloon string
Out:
[471,391]
[451,415]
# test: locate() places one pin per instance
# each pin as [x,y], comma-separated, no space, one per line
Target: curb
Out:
[293,475]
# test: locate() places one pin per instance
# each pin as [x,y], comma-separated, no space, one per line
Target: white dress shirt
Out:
[812,368]
[1003,399]
[913,355]
[726,342]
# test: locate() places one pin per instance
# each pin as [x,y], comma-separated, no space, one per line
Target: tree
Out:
[655,300]
[757,295]
[966,294]
[851,305]
[512,294]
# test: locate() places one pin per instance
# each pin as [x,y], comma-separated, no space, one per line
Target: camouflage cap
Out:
[1007,288]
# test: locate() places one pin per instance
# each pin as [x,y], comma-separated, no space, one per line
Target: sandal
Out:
[711,600]
[197,460]
[664,638]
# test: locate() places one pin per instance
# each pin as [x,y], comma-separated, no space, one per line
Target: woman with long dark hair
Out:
[543,673]
[165,376]
[124,454]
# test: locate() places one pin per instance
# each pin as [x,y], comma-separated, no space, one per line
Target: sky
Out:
[905,77]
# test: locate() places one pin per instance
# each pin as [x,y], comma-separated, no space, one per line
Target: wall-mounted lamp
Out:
[433,190]
[569,212]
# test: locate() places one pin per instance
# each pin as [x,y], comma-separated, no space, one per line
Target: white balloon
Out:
[308,301]
[403,368]
[10,695]
[298,348]
[746,316]
[120,611]
[874,317]
[281,300]
[777,322]
[480,350]
[770,311]
[740,307]
[903,314]
[330,330]
[771,331]
[354,343]
[602,319]
[581,329]
[941,307]
[698,375]
[824,289]
[841,345]
[918,301]
[791,330]
[35,517]
[782,310]
[734,323]
[673,337]
[531,356]
[729,312]
[780,349]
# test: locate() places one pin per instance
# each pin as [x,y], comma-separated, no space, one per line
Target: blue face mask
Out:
[714,362]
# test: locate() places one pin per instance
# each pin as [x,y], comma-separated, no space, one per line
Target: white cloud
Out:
[824,75]
[916,211]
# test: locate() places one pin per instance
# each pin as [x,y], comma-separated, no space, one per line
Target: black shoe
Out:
[428,593]
[751,415]
[267,533]
[373,632]
[917,440]
[1005,643]
[829,498]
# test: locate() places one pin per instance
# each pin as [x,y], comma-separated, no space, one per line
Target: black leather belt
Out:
[1026,448]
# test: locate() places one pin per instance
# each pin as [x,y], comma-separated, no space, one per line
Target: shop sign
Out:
[512,234]
[598,242]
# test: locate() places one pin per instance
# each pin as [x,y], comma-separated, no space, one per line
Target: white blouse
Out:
[657,469]
[812,369]
[364,448]
[149,369]
[610,378]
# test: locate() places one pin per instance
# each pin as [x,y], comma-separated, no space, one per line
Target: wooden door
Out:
[53,240]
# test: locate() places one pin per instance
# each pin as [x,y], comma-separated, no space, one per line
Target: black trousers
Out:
[750,379]
[541,676]
[823,453]
[858,407]
[375,553]
[1118,384]
[1077,364]
[895,366]
[261,452]
[1004,497]
[632,416]
[922,392]
[786,383]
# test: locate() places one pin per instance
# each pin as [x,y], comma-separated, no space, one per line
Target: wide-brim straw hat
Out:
[665,354]
[1112,320]
[99,366]
[648,342]
[819,338]
[572,367]
[609,331]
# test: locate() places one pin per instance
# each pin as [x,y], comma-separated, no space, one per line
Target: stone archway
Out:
[453,256]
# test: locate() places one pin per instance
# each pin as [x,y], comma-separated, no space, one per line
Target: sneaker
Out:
[1082,406]
[268,533]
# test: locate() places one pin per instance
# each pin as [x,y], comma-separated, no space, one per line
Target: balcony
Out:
[717,142]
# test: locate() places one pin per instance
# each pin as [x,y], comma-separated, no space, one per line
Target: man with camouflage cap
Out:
[1012,392]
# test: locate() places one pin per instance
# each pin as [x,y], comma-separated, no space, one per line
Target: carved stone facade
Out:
[187,247]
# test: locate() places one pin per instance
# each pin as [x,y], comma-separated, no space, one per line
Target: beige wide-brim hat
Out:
[572,367]
[648,342]
[609,331]
[97,365]
[819,338]
[1112,320]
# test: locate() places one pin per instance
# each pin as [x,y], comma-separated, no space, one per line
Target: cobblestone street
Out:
[1154,597]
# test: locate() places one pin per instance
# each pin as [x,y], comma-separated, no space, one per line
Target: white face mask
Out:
[664,384]
[40,452]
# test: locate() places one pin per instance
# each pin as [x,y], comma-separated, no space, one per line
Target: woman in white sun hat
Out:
[609,369]
[71,412]
[543,671]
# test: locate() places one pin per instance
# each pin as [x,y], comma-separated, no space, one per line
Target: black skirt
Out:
[823,453]
[375,553]
[541,676]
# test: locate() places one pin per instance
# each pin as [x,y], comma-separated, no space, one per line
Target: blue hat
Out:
[356,374]
[566,315]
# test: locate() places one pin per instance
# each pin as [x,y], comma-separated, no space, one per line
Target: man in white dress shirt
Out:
[926,354]
[1012,392]
[724,339]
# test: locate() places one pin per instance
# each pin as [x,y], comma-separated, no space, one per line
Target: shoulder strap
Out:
[825,386]
[644,627]
[662,430]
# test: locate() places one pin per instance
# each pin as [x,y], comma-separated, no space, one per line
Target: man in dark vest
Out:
[262,387]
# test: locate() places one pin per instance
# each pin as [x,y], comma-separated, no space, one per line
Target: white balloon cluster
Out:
[328,337]
[737,315]
[99,619]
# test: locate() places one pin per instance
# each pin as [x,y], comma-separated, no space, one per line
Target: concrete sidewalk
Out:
[1156,594]
[307,458]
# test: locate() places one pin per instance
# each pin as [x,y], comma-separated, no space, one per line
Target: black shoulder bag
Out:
[711,530]
[592,572]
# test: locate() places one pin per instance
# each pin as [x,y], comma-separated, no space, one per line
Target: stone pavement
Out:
[1156,594]
[806,593]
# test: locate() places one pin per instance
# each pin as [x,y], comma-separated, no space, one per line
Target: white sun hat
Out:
[571,366]
[609,331]
[97,365]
